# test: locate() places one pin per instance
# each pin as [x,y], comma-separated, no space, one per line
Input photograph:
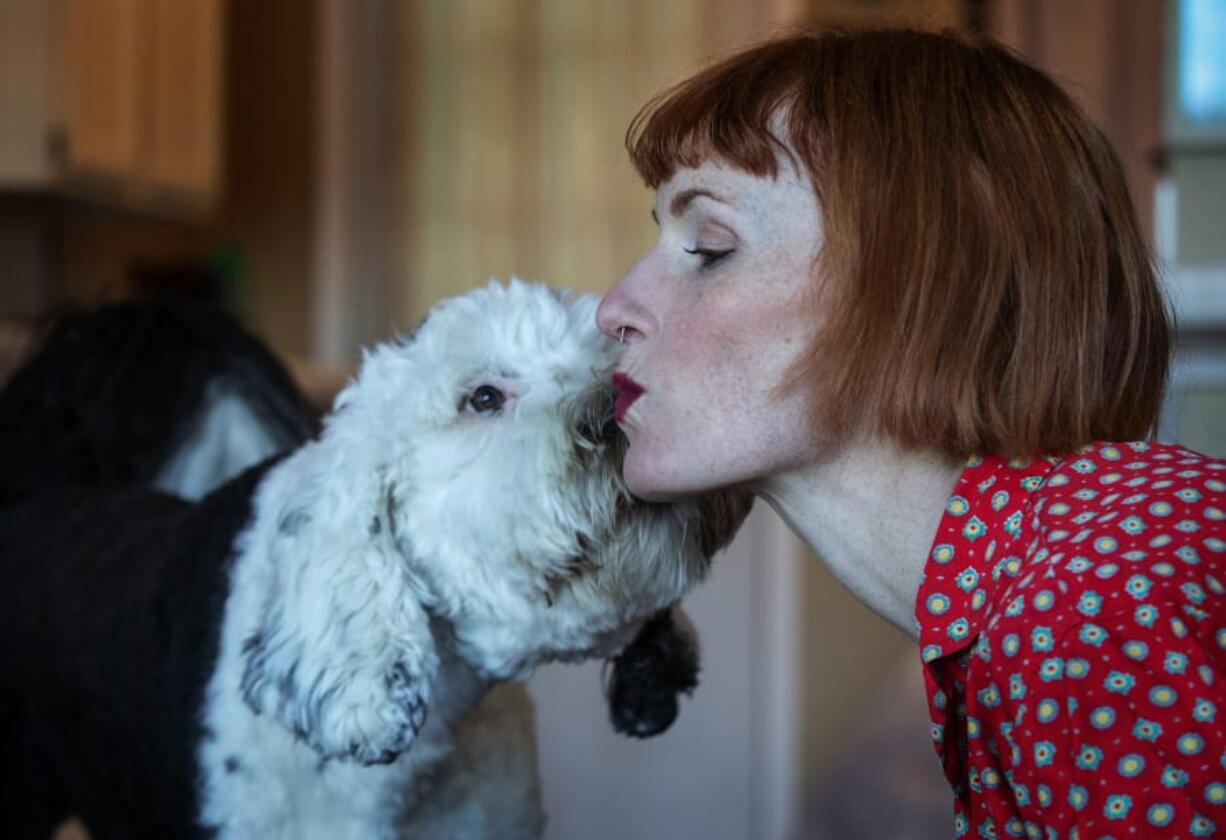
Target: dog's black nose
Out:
[651,672]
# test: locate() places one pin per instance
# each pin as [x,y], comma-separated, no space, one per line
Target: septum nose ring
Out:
[621,334]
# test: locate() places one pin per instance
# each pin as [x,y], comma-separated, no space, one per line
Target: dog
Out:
[291,655]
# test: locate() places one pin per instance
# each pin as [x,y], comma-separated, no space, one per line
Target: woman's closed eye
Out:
[708,257]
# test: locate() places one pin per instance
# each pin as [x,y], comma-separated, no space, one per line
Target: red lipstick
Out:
[627,391]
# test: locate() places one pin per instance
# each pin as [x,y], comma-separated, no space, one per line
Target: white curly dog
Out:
[461,520]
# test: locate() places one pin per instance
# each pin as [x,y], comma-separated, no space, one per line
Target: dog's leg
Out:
[647,677]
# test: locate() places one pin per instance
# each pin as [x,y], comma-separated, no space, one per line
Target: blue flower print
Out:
[1175,662]
[983,649]
[1078,565]
[1084,466]
[959,630]
[1047,710]
[1043,794]
[1085,495]
[1215,514]
[1161,541]
[1090,634]
[1075,669]
[968,579]
[1215,486]
[1017,687]
[1110,478]
[999,499]
[1106,571]
[1117,807]
[1013,827]
[1106,545]
[1215,585]
[1205,673]
[1013,524]
[943,553]
[957,506]
[1135,556]
[1058,509]
[1162,696]
[1133,525]
[1146,730]
[973,727]
[1136,650]
[987,829]
[1215,793]
[1204,711]
[990,778]
[1187,526]
[938,733]
[959,825]
[1088,758]
[1052,669]
[1090,603]
[1016,607]
[937,604]
[1117,682]
[1188,554]
[1160,814]
[1041,639]
[1173,777]
[1161,509]
[1110,453]
[1215,545]
[1010,644]
[1145,615]
[1030,483]
[1138,586]
[1043,600]
[1202,826]
[1077,797]
[1102,718]
[1187,494]
[1190,743]
[989,696]
[1130,766]
[974,528]
[931,653]
[1193,592]
[1162,569]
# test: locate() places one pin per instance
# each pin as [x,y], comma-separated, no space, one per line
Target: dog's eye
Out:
[485,399]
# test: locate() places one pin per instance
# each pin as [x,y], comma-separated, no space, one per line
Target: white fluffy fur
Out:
[419,553]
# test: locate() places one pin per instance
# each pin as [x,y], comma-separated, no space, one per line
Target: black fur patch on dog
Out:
[650,673]
[113,602]
[110,394]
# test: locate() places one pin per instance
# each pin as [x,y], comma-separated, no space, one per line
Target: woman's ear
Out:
[660,664]
[342,653]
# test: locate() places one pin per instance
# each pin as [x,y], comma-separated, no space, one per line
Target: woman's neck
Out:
[869,511]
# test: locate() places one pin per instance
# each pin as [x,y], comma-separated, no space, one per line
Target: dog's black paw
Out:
[660,664]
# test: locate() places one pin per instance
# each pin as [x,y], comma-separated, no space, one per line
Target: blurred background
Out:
[327,169]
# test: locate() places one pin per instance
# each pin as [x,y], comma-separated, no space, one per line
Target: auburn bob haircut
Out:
[985,285]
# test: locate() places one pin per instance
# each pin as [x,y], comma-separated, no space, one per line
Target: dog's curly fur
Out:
[369,588]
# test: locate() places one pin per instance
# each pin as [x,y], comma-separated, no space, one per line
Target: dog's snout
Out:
[594,423]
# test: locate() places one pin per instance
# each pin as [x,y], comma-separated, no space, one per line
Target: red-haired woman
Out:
[900,292]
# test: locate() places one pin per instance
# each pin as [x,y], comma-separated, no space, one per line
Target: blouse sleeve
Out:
[1145,750]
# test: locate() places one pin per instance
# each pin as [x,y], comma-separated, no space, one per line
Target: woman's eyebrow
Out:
[682,199]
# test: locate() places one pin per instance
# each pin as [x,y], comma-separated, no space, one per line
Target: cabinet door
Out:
[183,84]
[101,65]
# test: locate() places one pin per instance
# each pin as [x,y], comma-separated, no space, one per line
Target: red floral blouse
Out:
[1074,639]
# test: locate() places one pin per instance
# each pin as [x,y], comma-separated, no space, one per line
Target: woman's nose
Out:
[621,315]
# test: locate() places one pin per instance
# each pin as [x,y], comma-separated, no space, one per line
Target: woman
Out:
[900,292]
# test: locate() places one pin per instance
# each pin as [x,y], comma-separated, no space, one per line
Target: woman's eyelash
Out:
[709,256]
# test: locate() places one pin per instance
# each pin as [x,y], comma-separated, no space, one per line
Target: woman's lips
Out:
[627,391]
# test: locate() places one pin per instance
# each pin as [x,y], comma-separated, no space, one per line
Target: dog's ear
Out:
[342,653]
[660,664]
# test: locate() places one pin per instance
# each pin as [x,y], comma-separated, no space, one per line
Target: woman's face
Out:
[713,317]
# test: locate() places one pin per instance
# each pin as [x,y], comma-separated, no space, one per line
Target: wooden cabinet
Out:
[118,101]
